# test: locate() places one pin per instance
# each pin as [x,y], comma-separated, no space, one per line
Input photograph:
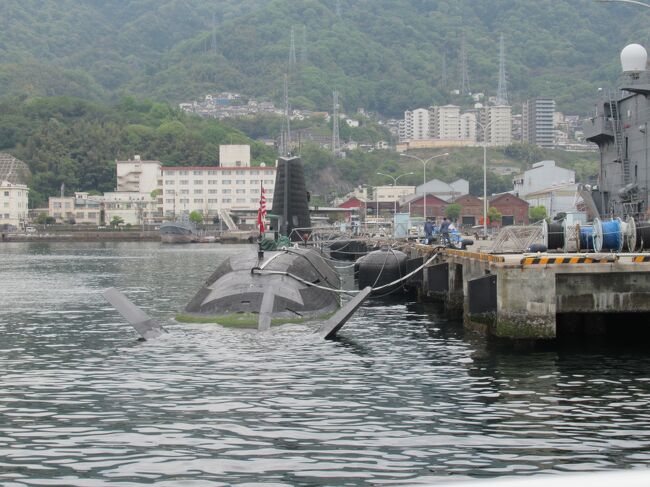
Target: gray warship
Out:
[620,128]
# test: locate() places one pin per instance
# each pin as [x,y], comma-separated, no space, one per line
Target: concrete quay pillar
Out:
[454,300]
[526,303]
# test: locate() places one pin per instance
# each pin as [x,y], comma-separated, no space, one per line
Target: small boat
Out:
[183,230]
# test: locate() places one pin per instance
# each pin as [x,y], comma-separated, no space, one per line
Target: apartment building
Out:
[446,122]
[499,120]
[13,203]
[417,125]
[537,122]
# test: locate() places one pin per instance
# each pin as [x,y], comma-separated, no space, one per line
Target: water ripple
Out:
[401,397]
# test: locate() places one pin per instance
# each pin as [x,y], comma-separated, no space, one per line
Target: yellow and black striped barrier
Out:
[565,260]
[641,258]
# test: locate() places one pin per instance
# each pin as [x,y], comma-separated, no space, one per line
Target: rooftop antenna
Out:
[462,65]
[292,53]
[502,90]
[336,142]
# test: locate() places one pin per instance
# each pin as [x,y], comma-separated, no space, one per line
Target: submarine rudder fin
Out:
[330,328]
[146,326]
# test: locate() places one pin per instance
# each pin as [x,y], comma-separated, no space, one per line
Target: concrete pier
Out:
[520,296]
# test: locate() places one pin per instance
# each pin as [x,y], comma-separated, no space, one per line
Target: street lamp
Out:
[424,174]
[485,129]
[394,186]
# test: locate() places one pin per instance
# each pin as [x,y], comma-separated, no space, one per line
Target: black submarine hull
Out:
[297,278]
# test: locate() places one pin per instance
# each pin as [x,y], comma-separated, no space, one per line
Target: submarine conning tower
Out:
[290,199]
[620,128]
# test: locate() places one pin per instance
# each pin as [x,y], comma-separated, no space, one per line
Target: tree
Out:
[537,213]
[453,211]
[494,215]
[116,221]
[196,217]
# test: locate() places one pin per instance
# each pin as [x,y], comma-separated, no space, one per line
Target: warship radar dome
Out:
[634,58]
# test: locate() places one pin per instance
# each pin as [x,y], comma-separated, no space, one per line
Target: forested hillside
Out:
[384,55]
[76,142]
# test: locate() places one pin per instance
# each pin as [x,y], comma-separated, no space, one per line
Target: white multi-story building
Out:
[136,175]
[446,122]
[131,207]
[212,189]
[468,126]
[499,118]
[417,125]
[13,203]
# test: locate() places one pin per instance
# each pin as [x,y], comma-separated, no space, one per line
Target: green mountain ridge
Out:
[383,55]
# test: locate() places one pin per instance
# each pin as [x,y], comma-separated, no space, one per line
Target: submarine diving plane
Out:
[264,288]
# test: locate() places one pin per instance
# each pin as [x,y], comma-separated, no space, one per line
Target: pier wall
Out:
[519,297]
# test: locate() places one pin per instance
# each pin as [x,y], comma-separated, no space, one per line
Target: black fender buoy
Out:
[537,247]
[382,267]
[466,242]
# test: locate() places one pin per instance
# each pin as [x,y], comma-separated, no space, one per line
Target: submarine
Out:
[263,288]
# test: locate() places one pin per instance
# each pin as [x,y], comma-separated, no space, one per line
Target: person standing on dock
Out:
[444,231]
[428,231]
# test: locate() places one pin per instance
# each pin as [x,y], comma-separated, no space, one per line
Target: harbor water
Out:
[403,396]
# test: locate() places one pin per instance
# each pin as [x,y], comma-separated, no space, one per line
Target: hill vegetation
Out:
[383,55]
[76,142]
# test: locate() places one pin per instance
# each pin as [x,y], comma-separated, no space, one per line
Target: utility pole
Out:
[502,90]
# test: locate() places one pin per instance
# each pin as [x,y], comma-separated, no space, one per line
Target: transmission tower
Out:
[462,68]
[502,90]
[303,47]
[338,8]
[292,53]
[336,142]
[214,34]
[444,78]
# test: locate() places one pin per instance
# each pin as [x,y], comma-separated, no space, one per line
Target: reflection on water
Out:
[402,396]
